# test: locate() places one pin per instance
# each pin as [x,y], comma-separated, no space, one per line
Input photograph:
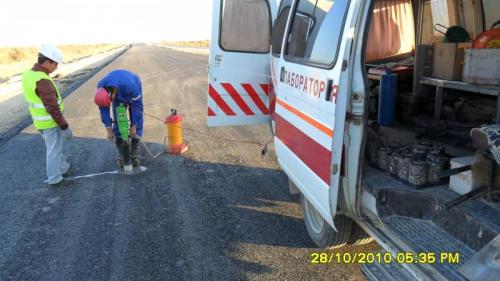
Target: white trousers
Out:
[56,162]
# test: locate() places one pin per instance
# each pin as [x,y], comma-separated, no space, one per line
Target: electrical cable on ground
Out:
[263,145]
[149,151]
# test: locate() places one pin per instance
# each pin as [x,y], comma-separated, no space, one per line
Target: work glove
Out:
[67,134]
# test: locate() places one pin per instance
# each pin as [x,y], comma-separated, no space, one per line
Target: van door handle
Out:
[329,87]
[331,92]
[344,65]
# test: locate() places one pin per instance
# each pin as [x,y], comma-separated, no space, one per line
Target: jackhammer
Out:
[128,148]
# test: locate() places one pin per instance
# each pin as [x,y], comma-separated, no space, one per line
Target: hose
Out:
[263,145]
[149,151]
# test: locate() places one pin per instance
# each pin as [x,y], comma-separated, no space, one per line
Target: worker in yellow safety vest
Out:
[46,108]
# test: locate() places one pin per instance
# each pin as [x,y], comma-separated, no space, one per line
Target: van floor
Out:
[417,217]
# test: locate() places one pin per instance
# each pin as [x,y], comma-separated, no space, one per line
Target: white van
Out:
[312,69]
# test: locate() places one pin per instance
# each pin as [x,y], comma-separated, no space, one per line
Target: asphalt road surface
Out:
[219,212]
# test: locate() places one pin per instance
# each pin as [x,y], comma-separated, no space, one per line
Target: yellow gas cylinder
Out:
[173,126]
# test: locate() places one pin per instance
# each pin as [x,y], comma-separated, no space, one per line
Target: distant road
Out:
[220,212]
[191,50]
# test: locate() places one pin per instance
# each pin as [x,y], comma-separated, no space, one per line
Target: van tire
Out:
[320,232]
[358,236]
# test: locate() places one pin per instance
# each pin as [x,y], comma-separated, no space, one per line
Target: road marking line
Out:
[134,172]
[88,176]
[93,175]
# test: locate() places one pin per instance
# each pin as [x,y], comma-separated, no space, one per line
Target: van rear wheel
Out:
[358,236]
[321,233]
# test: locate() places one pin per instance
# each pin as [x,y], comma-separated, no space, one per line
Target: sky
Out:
[35,22]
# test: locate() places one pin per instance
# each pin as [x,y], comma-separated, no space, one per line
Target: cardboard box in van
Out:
[448,60]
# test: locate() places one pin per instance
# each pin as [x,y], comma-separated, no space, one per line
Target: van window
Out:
[438,13]
[279,27]
[245,26]
[491,10]
[392,30]
[316,31]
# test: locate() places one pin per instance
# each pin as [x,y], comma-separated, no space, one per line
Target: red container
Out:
[177,118]
[489,39]
[173,126]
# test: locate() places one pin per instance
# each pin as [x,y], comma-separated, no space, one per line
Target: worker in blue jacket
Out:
[122,87]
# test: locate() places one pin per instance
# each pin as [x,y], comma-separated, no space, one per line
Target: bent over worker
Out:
[46,108]
[123,90]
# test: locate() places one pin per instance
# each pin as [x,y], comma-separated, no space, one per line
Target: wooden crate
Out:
[482,67]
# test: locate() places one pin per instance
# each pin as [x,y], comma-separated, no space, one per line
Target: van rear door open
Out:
[311,99]
[238,85]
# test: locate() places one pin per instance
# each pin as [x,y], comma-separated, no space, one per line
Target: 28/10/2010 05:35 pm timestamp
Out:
[385,258]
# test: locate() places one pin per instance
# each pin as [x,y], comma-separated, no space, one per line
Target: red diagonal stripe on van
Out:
[256,99]
[237,98]
[265,88]
[219,101]
[211,112]
[313,154]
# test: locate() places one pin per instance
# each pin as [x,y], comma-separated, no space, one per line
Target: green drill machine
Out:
[128,148]
[122,121]
[123,127]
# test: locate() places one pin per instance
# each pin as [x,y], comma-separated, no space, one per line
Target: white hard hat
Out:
[51,52]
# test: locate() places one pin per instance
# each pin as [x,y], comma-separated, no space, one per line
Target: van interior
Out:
[432,124]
